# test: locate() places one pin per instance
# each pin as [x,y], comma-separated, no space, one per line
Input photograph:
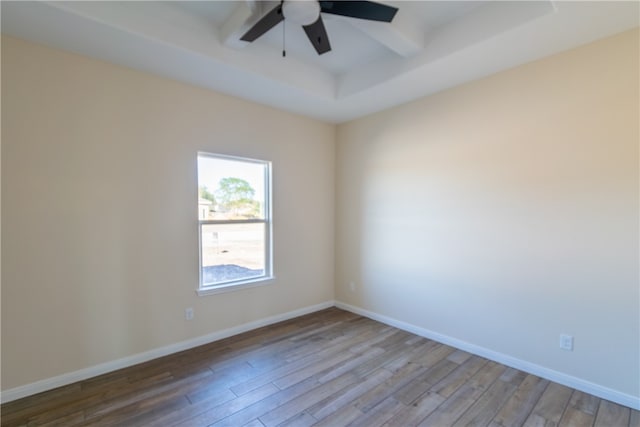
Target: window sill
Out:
[232,287]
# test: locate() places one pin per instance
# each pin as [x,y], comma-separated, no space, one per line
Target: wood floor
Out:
[330,368]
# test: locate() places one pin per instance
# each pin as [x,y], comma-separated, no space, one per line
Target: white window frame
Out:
[267,277]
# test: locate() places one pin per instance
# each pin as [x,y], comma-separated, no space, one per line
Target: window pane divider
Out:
[232,221]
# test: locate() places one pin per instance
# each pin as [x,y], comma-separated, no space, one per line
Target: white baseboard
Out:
[559,377]
[549,374]
[83,374]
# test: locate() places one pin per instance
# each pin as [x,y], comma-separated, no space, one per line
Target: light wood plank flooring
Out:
[330,368]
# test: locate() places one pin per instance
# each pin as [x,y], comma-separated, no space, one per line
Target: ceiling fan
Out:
[307,14]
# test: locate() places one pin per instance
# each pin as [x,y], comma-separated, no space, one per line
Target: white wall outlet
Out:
[352,286]
[566,342]
[188,313]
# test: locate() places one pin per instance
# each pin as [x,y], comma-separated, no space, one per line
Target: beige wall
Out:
[500,213]
[504,212]
[89,275]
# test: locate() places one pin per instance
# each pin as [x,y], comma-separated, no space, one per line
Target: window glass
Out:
[234,220]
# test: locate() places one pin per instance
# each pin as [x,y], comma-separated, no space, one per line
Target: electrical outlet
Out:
[566,342]
[188,313]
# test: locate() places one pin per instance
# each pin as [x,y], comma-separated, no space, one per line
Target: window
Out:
[234,216]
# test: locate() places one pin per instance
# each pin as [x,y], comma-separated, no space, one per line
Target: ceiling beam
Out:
[243,17]
[234,27]
[403,35]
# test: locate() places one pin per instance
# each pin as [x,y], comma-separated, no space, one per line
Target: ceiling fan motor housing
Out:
[303,12]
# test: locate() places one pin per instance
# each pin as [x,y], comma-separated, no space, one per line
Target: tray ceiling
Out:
[430,46]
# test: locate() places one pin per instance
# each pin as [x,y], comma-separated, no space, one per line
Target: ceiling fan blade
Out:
[267,22]
[318,36]
[360,9]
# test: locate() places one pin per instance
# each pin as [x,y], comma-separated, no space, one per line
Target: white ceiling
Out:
[430,45]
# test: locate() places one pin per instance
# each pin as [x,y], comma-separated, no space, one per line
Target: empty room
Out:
[320,213]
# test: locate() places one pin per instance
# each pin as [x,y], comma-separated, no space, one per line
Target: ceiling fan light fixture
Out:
[303,12]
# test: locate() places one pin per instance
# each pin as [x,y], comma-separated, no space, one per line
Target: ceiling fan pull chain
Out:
[284,52]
